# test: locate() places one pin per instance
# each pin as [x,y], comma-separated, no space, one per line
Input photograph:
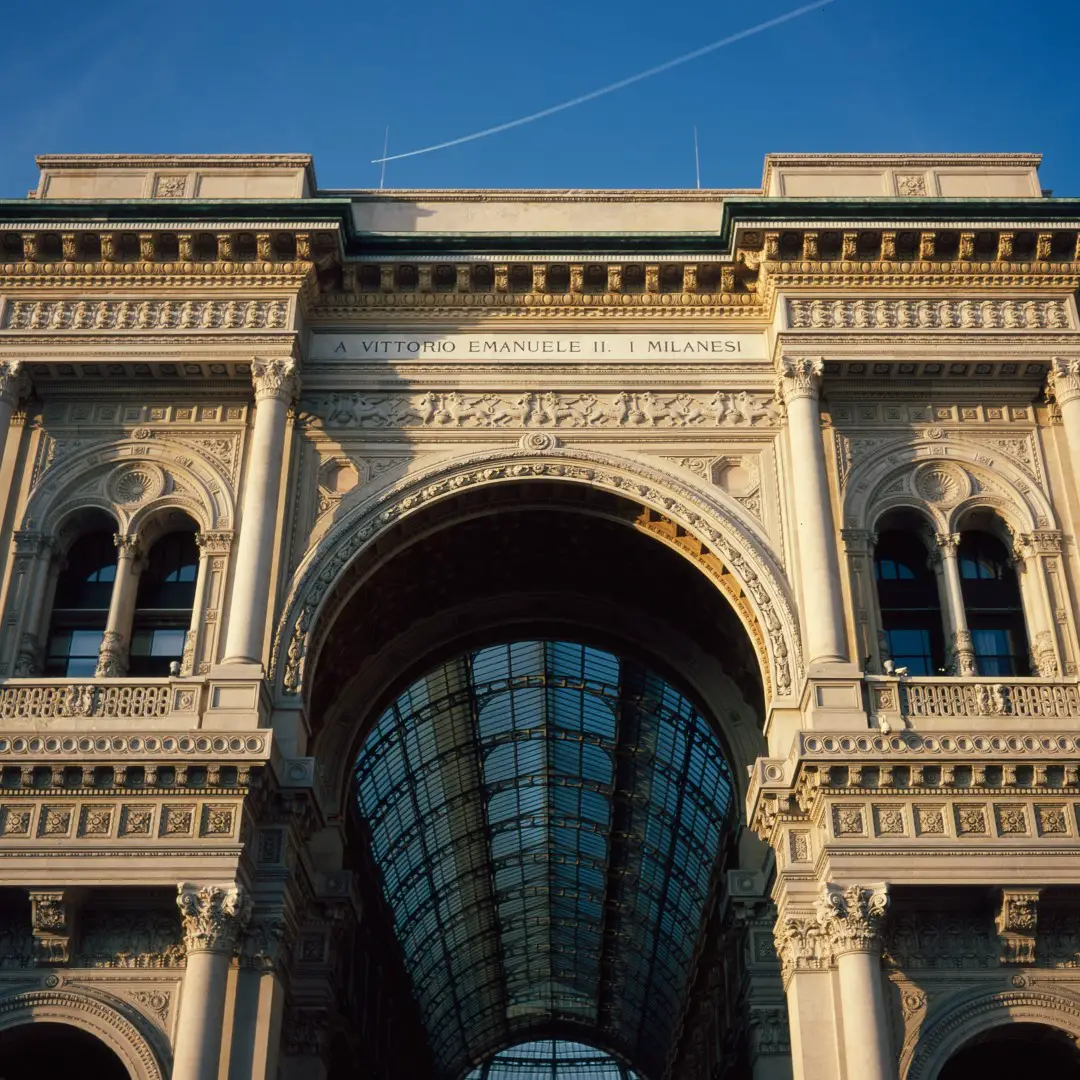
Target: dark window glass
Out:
[81,606]
[163,608]
[992,601]
[909,603]
[73,653]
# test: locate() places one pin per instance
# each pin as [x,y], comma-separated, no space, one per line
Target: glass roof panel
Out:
[546,817]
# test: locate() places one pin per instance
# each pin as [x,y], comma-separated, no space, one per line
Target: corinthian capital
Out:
[852,916]
[213,916]
[13,381]
[802,945]
[800,377]
[277,378]
[1063,382]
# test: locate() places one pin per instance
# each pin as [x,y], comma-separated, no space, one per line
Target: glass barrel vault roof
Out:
[552,1059]
[546,817]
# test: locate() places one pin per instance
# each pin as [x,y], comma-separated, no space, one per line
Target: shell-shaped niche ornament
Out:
[135,483]
[942,483]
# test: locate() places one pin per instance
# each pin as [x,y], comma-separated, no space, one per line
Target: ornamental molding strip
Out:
[927,314]
[136,315]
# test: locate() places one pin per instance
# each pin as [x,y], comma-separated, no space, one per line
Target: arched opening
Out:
[909,601]
[995,611]
[547,818]
[1012,1050]
[552,1059]
[164,602]
[550,695]
[48,1051]
[80,609]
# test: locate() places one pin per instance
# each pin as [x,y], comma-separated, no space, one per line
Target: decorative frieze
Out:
[145,315]
[627,409]
[904,314]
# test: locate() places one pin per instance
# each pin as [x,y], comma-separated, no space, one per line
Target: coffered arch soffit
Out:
[137,483]
[322,584]
[963,1017]
[944,482]
[114,1021]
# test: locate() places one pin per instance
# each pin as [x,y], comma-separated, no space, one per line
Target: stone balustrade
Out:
[941,697]
[48,699]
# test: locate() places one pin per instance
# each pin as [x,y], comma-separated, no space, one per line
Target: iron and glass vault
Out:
[546,817]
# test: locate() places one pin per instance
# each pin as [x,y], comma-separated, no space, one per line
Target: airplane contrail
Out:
[593,95]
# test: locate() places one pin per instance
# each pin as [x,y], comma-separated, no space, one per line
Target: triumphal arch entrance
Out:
[491,635]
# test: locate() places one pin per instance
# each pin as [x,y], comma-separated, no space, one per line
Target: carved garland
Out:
[324,571]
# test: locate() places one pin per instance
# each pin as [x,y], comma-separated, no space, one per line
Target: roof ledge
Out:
[175,176]
[912,176]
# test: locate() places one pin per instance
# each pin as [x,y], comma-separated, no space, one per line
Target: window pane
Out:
[85,643]
[167,643]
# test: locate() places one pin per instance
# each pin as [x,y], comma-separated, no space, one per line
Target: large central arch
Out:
[708,527]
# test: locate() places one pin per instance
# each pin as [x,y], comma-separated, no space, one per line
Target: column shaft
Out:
[275,386]
[13,385]
[1065,384]
[198,1033]
[116,642]
[819,570]
[862,1001]
[962,658]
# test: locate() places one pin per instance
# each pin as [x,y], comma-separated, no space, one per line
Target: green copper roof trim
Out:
[404,245]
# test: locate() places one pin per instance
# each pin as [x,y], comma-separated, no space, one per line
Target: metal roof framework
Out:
[546,817]
[552,1059]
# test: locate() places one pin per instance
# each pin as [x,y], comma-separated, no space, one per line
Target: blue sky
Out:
[247,76]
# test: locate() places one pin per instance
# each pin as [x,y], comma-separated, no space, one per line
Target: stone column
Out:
[852,918]
[276,385]
[33,567]
[213,917]
[1028,552]
[869,635]
[13,386]
[805,964]
[260,998]
[961,659]
[1064,382]
[116,641]
[191,638]
[822,601]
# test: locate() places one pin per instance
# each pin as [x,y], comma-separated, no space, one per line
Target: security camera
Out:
[900,672]
[890,667]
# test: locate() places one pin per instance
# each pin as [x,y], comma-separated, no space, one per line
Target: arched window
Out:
[163,605]
[552,1059]
[995,613]
[81,606]
[909,602]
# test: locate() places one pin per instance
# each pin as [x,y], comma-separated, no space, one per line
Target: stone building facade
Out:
[727,537]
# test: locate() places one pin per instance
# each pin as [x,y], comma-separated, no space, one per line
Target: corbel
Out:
[108,247]
[614,278]
[30,247]
[386,279]
[69,245]
[652,278]
[577,279]
[772,245]
[424,278]
[1006,243]
[810,249]
[927,245]
[225,246]
[888,246]
[53,917]
[146,246]
[849,245]
[185,246]
[1016,922]
[1043,244]
[463,277]
[502,277]
[539,277]
[727,278]
[967,245]
[689,278]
